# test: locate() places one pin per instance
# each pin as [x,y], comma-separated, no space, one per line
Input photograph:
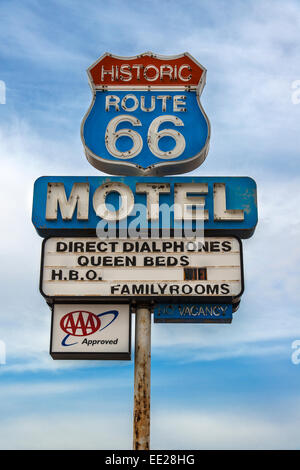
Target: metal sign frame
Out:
[197,313]
[90,355]
[119,167]
[239,193]
[143,299]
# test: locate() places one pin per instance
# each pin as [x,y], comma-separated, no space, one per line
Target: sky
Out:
[212,386]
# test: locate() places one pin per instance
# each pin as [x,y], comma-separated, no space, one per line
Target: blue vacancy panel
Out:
[192,313]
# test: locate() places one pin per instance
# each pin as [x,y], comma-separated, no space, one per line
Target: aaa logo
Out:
[84,323]
[80,323]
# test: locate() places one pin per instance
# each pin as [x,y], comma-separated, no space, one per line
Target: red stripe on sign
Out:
[146,70]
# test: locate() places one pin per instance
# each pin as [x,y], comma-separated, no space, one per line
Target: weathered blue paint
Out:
[192,313]
[240,194]
[195,129]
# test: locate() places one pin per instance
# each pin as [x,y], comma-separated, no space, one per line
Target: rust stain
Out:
[141,432]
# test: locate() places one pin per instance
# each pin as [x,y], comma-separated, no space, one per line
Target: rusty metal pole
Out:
[142,373]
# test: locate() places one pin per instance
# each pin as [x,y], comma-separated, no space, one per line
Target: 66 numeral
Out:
[153,137]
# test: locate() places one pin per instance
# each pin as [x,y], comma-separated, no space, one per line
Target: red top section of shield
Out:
[147,69]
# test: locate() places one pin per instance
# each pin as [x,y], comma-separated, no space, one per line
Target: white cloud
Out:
[25,34]
[60,387]
[196,429]
[25,323]
[183,429]
[66,431]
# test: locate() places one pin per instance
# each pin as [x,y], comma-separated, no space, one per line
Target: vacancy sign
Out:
[192,313]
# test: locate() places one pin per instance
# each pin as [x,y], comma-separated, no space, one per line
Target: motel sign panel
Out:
[67,205]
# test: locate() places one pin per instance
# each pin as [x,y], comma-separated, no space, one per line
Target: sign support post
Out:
[142,372]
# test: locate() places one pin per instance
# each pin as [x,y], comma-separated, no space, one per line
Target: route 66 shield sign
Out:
[146,117]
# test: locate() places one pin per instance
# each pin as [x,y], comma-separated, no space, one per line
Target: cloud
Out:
[61,387]
[250,67]
[183,429]
[63,432]
[25,325]
[28,32]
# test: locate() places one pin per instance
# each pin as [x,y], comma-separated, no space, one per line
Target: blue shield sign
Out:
[146,117]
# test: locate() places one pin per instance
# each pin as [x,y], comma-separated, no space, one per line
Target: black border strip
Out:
[91,232]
